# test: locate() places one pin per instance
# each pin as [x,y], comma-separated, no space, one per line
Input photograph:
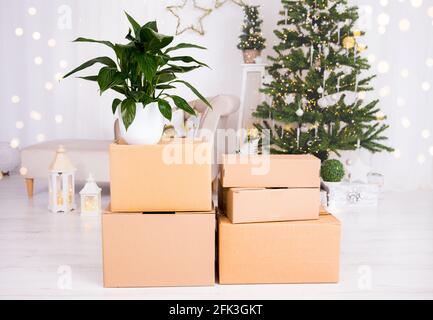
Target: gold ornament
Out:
[357,33]
[362,47]
[290,126]
[348,42]
[195,27]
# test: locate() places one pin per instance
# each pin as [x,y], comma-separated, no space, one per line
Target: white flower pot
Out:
[147,127]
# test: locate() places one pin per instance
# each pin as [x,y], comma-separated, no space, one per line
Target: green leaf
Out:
[107,43]
[196,92]
[151,25]
[166,77]
[134,24]
[184,46]
[156,41]
[118,89]
[165,109]
[182,104]
[147,65]
[103,60]
[90,78]
[128,109]
[178,69]
[165,87]
[108,77]
[188,59]
[115,105]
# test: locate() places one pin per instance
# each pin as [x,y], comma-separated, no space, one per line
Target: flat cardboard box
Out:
[270,171]
[279,252]
[174,176]
[248,205]
[158,250]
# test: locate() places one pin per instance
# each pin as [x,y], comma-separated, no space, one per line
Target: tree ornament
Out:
[349,42]
[290,126]
[340,8]
[361,48]
[299,112]
[267,80]
[290,98]
[305,127]
[320,90]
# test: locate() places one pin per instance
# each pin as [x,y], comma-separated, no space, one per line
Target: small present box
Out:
[174,176]
[270,171]
[249,205]
[280,252]
[352,194]
[158,250]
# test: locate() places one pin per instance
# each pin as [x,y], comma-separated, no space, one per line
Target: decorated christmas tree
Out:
[317,83]
[252,38]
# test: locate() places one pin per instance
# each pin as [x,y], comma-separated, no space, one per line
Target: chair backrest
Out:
[223,106]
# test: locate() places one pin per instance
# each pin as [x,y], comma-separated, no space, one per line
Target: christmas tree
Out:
[316,83]
[251,38]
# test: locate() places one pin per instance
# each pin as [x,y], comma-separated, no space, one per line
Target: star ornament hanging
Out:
[196,26]
[220,3]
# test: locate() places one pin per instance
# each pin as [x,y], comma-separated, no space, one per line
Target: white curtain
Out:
[35,49]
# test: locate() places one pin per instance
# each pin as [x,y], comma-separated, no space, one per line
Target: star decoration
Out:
[359,171]
[220,3]
[195,27]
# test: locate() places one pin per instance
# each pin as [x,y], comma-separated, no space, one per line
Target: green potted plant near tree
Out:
[332,171]
[251,41]
[144,73]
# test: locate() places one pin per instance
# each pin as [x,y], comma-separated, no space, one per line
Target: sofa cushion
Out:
[88,156]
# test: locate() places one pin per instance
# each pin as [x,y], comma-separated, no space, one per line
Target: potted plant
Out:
[332,171]
[251,41]
[144,73]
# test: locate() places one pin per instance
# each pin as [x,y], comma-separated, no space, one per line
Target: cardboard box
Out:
[158,250]
[174,176]
[243,205]
[270,171]
[279,252]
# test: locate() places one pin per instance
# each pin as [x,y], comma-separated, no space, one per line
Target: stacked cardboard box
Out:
[160,228]
[274,230]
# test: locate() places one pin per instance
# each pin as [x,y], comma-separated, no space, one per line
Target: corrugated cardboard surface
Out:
[279,252]
[265,205]
[270,171]
[142,181]
[158,250]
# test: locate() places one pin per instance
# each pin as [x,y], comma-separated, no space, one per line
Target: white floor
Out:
[387,253]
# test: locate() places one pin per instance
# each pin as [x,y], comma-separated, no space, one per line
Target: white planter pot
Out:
[147,127]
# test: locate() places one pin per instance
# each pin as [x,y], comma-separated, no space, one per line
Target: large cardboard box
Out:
[270,171]
[175,176]
[158,250]
[279,252]
[247,205]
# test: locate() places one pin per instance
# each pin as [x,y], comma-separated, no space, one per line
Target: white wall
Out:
[86,115]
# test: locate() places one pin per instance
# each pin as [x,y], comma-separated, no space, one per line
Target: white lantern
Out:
[90,198]
[61,183]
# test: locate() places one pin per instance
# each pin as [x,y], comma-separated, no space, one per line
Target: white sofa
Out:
[91,156]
